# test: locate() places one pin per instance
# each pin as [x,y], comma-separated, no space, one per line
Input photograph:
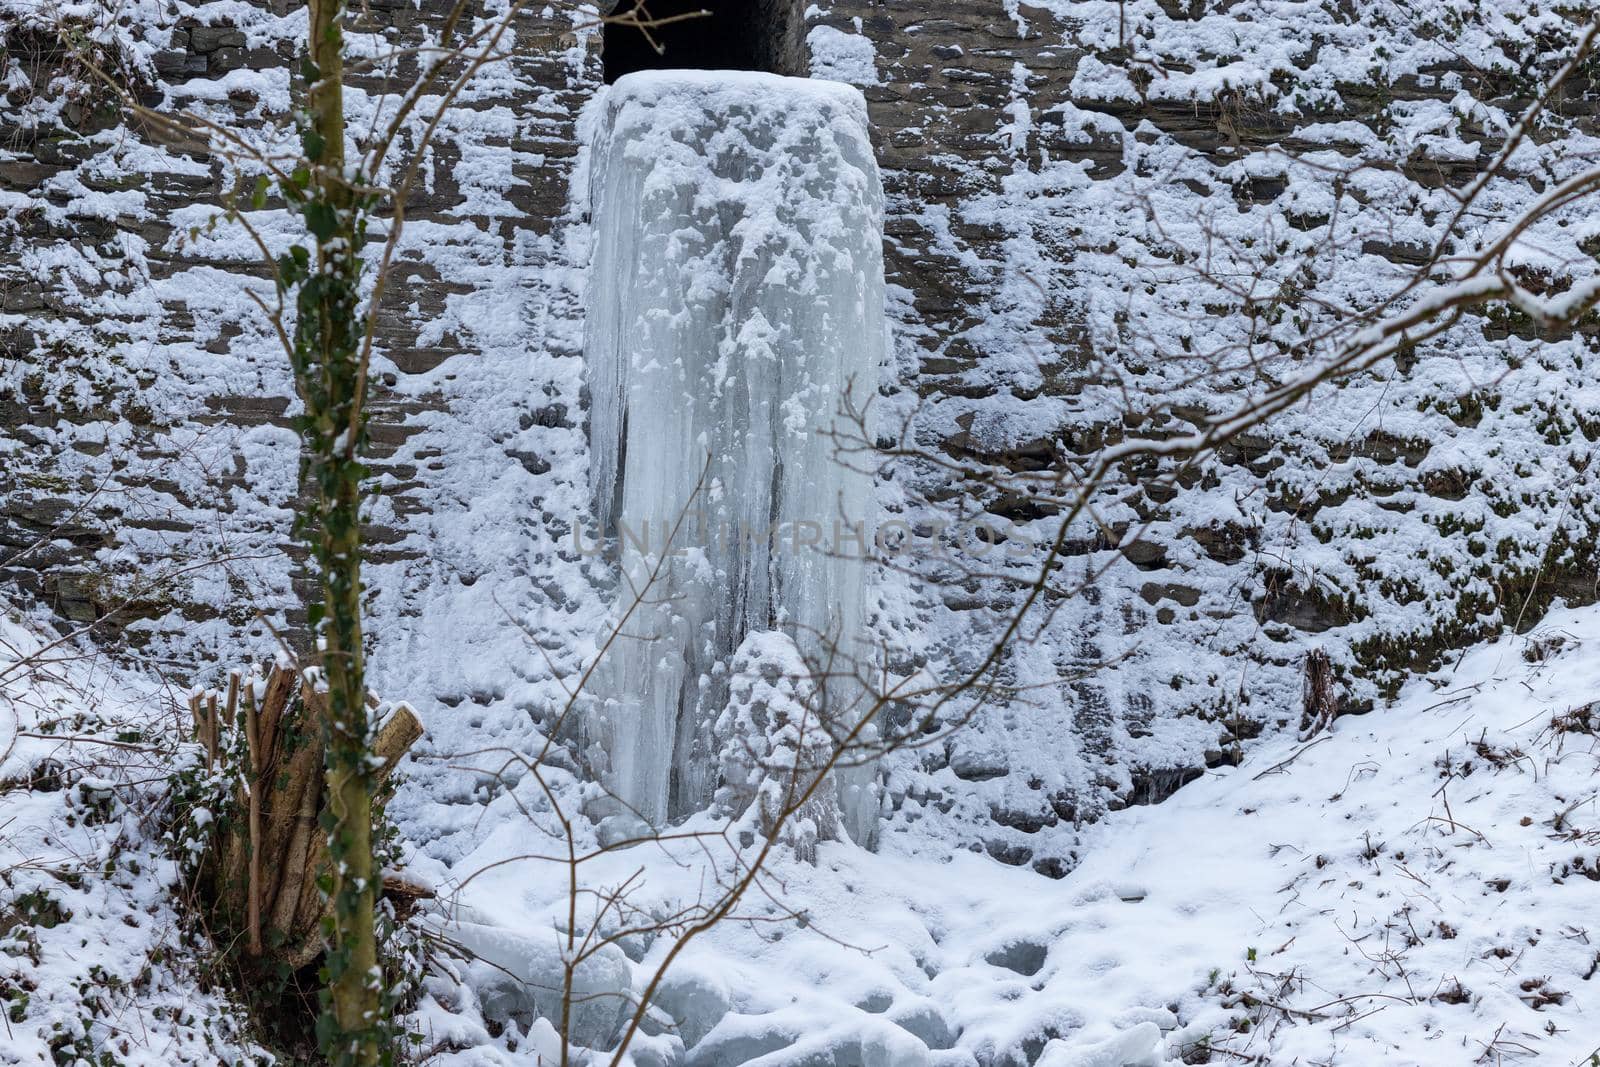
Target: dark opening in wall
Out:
[764,35]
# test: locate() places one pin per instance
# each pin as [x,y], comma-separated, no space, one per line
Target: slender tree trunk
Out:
[329,335]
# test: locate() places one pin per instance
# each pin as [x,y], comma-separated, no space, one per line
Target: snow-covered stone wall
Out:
[1107,219]
[1052,174]
[150,465]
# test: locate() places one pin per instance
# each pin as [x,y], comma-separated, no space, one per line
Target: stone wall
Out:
[131,346]
[141,403]
[1015,170]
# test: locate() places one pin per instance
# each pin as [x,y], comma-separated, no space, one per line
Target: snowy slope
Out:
[99,960]
[1415,887]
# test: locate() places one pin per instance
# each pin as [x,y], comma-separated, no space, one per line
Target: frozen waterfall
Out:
[736,304]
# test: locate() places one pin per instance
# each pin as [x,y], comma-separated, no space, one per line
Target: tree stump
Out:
[1320,699]
[264,864]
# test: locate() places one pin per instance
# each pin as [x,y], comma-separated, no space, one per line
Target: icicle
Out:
[736,302]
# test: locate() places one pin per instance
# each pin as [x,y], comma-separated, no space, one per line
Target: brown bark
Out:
[265,871]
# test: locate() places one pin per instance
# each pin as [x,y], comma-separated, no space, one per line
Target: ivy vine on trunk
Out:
[325,279]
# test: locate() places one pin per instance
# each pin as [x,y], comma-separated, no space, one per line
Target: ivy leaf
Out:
[321,221]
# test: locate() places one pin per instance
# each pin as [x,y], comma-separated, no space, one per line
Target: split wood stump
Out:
[264,864]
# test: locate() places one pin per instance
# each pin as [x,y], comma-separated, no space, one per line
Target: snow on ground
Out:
[98,964]
[1414,887]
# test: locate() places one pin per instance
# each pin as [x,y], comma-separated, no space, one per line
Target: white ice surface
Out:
[736,307]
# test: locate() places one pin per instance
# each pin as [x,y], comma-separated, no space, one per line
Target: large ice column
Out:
[736,305]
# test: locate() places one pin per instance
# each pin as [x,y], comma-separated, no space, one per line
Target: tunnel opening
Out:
[764,35]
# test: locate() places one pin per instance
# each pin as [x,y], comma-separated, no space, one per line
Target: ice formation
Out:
[736,309]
